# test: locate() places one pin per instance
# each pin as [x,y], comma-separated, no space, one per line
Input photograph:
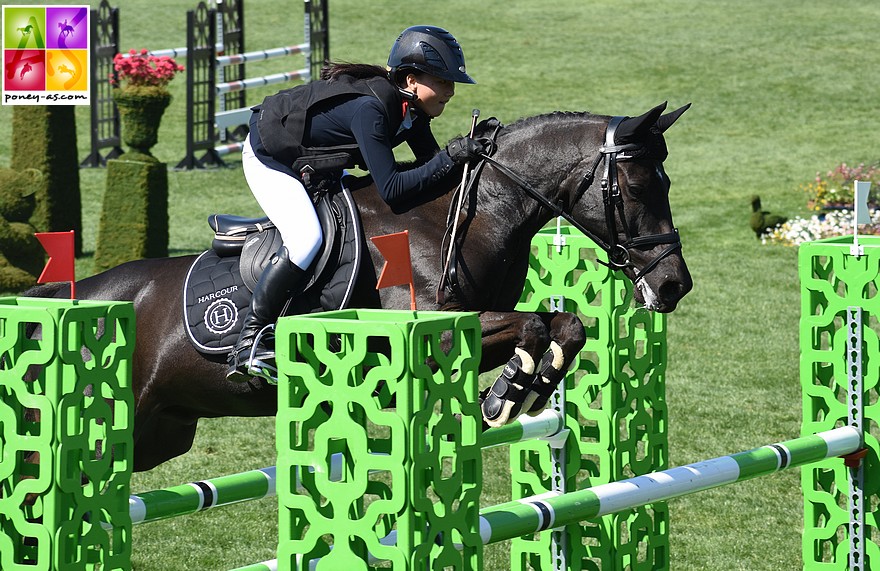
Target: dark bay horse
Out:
[605,174]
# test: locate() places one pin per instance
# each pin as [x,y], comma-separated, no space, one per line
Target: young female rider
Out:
[356,114]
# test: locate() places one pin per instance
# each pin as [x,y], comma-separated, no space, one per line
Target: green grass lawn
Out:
[780,90]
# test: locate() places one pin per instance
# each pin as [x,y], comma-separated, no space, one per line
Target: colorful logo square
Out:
[67,27]
[25,70]
[45,55]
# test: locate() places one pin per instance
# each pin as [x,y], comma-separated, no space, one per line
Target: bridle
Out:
[618,251]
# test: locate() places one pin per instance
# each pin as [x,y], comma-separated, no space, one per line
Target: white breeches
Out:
[287,204]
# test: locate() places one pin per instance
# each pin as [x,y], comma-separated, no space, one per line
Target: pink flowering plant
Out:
[834,189]
[830,197]
[138,70]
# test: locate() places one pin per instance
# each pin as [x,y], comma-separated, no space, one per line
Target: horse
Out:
[603,174]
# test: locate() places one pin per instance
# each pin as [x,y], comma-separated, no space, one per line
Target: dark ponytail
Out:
[333,70]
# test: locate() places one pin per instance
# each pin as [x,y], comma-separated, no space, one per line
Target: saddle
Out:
[219,284]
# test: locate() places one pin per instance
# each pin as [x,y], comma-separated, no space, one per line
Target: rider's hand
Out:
[463,149]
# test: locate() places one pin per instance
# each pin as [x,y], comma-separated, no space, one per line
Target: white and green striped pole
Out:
[201,495]
[551,510]
[258,484]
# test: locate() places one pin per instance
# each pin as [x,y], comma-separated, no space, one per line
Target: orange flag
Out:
[398,265]
[60,266]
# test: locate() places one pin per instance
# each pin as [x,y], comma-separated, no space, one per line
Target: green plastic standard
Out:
[615,409]
[832,281]
[414,467]
[81,361]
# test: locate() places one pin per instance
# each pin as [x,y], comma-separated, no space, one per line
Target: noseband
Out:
[618,251]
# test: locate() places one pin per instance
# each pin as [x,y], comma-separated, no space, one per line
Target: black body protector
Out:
[284,115]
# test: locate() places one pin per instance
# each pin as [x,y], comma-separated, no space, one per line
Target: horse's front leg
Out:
[543,347]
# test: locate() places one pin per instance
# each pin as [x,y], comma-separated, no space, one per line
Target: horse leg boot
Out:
[503,401]
[551,371]
[251,357]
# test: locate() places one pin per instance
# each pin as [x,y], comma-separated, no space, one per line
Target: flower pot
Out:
[141,113]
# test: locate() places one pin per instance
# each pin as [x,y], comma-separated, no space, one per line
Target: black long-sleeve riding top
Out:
[356,119]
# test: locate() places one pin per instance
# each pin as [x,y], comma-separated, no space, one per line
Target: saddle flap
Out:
[330,226]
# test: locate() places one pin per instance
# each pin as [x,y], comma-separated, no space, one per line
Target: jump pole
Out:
[201,495]
[552,509]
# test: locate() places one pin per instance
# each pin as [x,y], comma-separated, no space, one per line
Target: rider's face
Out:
[432,93]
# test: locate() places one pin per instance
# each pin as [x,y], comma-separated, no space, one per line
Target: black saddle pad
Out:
[216,296]
[215,299]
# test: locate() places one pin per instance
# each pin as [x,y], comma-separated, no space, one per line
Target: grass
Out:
[780,90]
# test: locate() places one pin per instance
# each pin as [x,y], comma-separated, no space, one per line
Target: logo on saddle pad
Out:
[221,315]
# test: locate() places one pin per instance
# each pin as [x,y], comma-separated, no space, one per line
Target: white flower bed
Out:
[824,225]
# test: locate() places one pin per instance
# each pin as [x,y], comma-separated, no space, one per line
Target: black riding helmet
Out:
[429,49]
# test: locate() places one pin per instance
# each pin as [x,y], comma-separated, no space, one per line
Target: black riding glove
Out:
[463,149]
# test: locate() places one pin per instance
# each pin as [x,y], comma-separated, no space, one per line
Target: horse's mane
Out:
[527,121]
[535,120]
[652,146]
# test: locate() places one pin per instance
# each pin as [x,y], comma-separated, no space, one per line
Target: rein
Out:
[618,252]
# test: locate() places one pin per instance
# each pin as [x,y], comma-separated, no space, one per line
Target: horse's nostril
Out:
[671,291]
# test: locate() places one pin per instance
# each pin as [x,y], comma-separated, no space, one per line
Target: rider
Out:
[355,114]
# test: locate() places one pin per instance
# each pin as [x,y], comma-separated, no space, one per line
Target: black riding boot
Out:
[252,356]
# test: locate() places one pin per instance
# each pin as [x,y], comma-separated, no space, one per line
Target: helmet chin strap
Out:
[407,94]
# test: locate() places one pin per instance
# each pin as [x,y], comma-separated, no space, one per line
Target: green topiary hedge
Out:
[44,138]
[21,255]
[134,216]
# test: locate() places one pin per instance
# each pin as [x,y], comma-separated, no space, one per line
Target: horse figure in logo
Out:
[603,174]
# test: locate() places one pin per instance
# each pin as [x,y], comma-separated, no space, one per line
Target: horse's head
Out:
[628,189]
[616,192]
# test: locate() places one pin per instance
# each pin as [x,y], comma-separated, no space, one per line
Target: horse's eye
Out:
[636,189]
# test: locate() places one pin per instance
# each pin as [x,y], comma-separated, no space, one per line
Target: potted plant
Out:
[140,90]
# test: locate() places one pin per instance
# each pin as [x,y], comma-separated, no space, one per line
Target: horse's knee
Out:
[534,337]
[568,332]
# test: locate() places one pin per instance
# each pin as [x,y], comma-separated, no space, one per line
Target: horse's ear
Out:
[667,120]
[637,128]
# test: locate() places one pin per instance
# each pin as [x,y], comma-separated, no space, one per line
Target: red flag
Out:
[60,267]
[398,265]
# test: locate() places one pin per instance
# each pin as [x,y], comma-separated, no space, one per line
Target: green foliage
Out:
[45,138]
[21,256]
[134,218]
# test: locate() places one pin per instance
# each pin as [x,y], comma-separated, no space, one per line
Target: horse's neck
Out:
[544,151]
